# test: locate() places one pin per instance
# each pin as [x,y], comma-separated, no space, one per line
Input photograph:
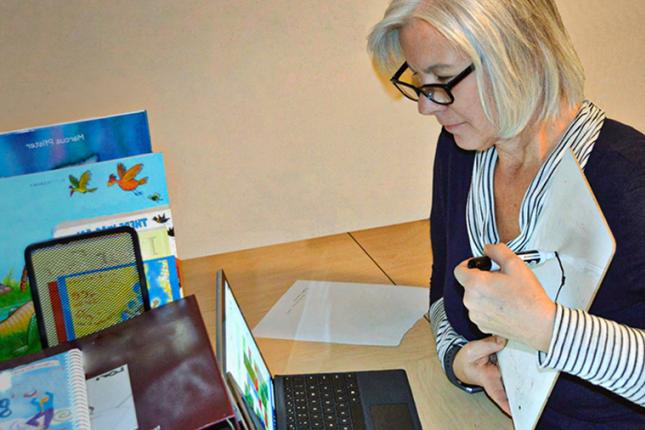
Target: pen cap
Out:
[481,263]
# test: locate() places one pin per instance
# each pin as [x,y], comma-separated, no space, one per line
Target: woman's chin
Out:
[465,143]
[471,143]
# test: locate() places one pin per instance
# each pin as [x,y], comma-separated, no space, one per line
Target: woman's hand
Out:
[473,365]
[510,303]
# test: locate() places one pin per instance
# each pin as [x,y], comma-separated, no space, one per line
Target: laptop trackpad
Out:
[383,416]
[387,400]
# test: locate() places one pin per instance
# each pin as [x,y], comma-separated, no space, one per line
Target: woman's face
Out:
[434,60]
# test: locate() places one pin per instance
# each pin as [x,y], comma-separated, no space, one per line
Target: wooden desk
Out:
[399,254]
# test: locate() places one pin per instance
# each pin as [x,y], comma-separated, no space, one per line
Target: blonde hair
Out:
[525,63]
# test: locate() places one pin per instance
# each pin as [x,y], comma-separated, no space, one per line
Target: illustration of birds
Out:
[80,185]
[127,178]
[155,197]
[160,219]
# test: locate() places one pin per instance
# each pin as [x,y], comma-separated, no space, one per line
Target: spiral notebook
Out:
[48,393]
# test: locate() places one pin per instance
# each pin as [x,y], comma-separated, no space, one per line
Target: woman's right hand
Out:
[473,366]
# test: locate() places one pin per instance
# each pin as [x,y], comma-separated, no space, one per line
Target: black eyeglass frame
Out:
[425,89]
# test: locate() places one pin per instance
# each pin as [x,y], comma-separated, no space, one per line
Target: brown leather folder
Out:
[176,383]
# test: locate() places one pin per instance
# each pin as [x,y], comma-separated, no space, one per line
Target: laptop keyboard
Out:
[323,401]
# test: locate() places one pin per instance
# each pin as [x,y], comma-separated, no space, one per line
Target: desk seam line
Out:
[371,258]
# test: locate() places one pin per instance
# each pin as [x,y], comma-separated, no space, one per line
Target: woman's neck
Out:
[527,151]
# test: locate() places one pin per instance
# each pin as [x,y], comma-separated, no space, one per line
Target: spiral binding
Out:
[78,388]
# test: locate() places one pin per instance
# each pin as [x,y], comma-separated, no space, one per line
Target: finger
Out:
[469,277]
[485,347]
[492,359]
[462,273]
[501,340]
[500,398]
[495,390]
[500,253]
[503,397]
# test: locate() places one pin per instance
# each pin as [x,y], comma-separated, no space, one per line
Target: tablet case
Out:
[84,283]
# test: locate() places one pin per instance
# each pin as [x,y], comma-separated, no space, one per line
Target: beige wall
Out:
[273,123]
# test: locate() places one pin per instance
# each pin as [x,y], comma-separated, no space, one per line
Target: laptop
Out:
[365,400]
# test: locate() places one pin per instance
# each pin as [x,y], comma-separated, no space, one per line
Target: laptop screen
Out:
[245,363]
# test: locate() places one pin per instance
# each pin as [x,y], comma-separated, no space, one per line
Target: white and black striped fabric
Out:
[602,352]
[580,137]
[616,364]
[444,334]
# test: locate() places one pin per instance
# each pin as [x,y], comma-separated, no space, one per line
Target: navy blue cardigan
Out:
[616,173]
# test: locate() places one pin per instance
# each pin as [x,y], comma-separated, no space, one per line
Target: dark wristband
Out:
[448,360]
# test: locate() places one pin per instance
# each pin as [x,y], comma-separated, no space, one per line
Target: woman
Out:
[504,81]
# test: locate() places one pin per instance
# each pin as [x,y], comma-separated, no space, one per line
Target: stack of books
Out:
[124,377]
[72,178]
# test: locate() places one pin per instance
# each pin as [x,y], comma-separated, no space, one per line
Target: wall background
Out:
[273,124]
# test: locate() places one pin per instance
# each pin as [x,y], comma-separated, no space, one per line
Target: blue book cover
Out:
[163,281]
[33,205]
[73,143]
[49,393]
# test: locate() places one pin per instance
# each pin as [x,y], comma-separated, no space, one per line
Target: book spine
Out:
[78,388]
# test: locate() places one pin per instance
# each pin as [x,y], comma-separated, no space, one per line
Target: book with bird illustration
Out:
[74,143]
[34,204]
[156,241]
[49,393]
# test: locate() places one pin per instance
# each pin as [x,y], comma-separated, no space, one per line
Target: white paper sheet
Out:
[338,312]
[111,402]
[572,224]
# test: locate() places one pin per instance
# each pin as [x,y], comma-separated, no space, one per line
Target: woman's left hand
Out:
[510,303]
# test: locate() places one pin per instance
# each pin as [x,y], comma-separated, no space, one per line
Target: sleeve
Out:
[449,342]
[446,338]
[600,351]
[437,223]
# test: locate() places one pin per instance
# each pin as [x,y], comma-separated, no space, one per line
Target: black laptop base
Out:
[372,400]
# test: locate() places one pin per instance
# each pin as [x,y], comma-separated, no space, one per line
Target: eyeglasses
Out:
[439,93]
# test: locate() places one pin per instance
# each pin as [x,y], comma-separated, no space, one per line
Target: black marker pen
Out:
[532,258]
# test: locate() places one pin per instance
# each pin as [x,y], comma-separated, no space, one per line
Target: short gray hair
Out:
[525,62]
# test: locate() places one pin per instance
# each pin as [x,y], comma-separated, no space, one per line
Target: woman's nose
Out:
[427,106]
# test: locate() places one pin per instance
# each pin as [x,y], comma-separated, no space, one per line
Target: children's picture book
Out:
[111,402]
[156,240]
[32,205]
[49,393]
[73,143]
[86,309]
